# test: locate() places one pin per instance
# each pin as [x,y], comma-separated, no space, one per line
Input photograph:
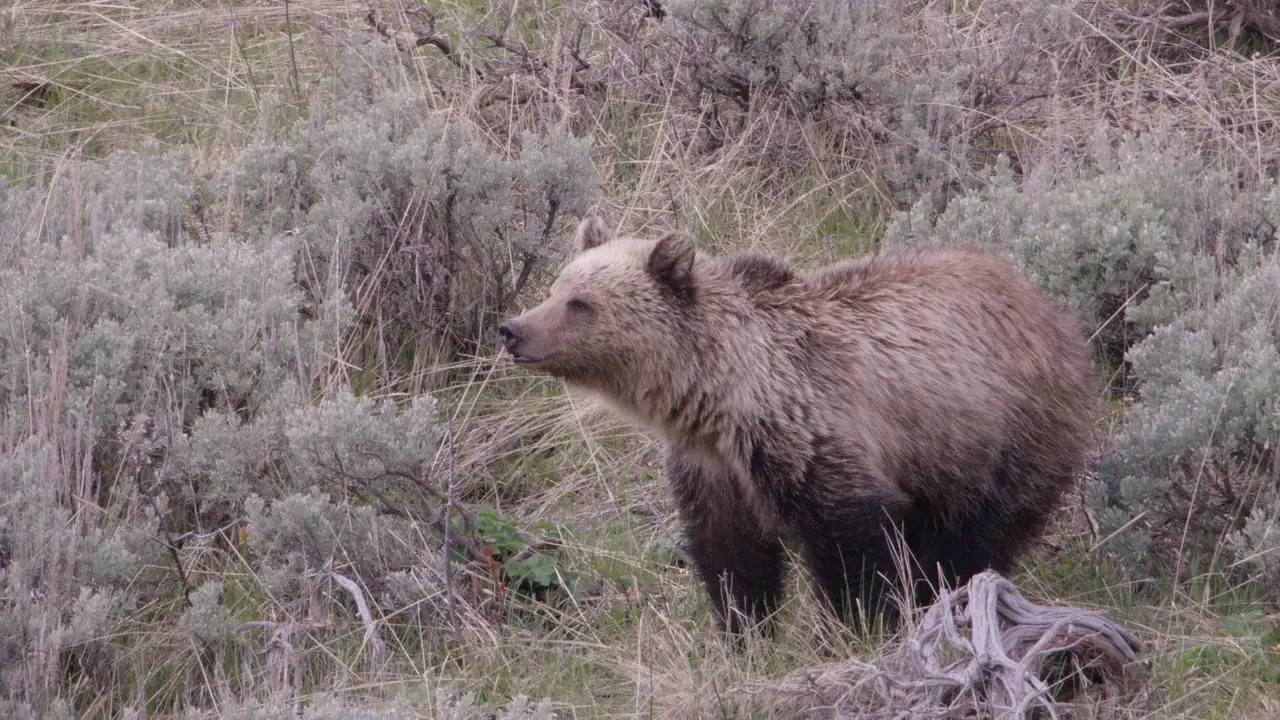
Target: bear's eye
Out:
[577,305]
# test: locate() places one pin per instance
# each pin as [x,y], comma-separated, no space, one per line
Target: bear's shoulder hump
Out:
[758,272]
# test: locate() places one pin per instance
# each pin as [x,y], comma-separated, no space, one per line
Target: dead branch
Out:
[376,644]
[405,40]
[1234,16]
[980,651]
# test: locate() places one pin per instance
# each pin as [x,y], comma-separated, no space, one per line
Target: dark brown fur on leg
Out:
[737,560]
[852,558]
[990,531]
[848,519]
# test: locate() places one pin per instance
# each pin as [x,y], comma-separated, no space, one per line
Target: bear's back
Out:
[956,298]
[952,351]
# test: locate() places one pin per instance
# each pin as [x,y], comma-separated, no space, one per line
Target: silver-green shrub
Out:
[914,95]
[66,584]
[1256,545]
[816,70]
[207,619]
[352,448]
[809,54]
[429,231]
[223,457]
[118,329]
[1192,476]
[126,309]
[362,444]
[962,79]
[176,400]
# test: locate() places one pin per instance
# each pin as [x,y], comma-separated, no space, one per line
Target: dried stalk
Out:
[376,645]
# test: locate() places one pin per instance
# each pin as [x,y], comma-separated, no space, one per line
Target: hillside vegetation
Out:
[260,455]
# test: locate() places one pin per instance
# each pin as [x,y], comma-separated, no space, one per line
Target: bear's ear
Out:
[592,232]
[671,261]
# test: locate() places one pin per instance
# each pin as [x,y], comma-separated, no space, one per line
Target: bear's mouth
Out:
[524,360]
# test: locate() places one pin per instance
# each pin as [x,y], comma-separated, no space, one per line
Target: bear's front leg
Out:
[741,564]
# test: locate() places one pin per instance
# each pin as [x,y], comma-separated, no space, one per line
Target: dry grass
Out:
[94,76]
[86,78]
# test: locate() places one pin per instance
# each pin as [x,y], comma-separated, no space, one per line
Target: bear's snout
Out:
[510,333]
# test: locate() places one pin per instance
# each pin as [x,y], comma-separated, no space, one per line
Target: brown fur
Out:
[935,388]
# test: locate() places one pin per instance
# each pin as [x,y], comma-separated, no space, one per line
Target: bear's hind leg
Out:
[741,564]
[1005,521]
[925,541]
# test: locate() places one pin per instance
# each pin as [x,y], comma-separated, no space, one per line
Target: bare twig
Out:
[376,645]
[405,40]
[1235,17]
[531,258]
[293,60]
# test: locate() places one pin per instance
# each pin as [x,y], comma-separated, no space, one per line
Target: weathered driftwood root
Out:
[999,668]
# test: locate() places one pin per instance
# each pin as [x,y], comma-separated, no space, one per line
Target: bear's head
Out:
[616,309]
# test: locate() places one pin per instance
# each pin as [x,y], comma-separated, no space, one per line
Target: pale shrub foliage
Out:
[807,55]
[116,333]
[1192,476]
[174,400]
[432,233]
[915,95]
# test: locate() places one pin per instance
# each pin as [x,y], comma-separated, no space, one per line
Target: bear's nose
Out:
[510,333]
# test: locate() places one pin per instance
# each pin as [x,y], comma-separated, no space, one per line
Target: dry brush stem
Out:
[407,40]
[995,670]
[376,645]
[1234,16]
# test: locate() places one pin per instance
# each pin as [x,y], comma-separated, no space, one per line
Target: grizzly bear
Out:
[933,397]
